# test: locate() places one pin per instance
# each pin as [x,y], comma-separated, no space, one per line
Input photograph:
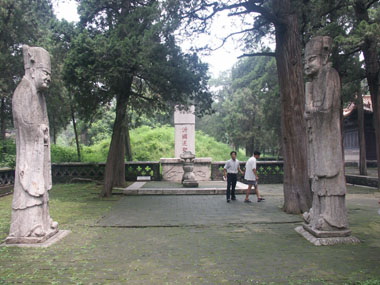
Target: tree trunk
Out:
[128,148]
[361,136]
[54,131]
[249,147]
[75,131]
[372,68]
[3,118]
[297,193]
[115,167]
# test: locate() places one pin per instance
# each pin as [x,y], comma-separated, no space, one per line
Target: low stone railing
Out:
[7,176]
[66,172]
[270,172]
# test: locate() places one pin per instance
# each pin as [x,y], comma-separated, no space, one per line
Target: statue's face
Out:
[313,64]
[42,78]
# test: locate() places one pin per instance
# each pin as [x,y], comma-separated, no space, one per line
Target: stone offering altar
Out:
[31,222]
[326,223]
[172,169]
[188,179]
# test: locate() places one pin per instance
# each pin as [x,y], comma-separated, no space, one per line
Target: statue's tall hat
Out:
[36,57]
[319,45]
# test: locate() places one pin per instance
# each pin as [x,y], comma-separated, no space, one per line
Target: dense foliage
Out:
[120,68]
[150,144]
[247,107]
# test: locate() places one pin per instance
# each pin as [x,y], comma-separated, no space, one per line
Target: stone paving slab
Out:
[202,210]
[175,188]
[176,211]
[202,184]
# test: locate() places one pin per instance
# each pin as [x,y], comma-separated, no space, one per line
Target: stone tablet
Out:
[184,124]
[31,222]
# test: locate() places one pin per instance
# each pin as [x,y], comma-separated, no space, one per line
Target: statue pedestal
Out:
[45,241]
[190,184]
[319,238]
[30,240]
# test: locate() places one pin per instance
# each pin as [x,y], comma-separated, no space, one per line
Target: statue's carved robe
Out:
[30,211]
[325,153]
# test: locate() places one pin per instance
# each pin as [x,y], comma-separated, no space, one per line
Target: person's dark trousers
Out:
[231,183]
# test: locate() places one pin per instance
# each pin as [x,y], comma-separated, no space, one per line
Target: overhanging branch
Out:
[257,54]
[231,35]
[250,7]
[370,3]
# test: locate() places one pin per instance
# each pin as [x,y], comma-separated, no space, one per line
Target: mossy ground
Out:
[230,254]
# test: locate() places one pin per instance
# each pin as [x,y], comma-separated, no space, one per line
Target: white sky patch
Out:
[219,60]
[66,9]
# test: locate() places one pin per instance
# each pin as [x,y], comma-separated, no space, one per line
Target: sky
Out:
[219,60]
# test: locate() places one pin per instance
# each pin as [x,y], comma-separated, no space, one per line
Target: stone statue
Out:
[328,216]
[31,222]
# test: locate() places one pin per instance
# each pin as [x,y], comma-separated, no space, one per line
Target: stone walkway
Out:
[205,210]
[175,188]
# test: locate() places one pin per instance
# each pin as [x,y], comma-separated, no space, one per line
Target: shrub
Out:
[8,158]
[63,154]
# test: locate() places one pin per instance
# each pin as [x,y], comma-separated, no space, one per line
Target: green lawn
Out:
[70,204]
[222,254]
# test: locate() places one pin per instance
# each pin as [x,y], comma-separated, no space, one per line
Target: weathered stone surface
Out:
[188,179]
[172,169]
[48,240]
[31,222]
[326,166]
[162,188]
[184,125]
[326,234]
[326,240]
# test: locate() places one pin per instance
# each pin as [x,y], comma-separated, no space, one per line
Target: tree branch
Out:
[143,97]
[355,50]
[370,3]
[257,54]
[338,6]
[231,35]
[250,7]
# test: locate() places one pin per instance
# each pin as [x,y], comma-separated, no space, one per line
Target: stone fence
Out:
[66,172]
[7,176]
[270,172]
